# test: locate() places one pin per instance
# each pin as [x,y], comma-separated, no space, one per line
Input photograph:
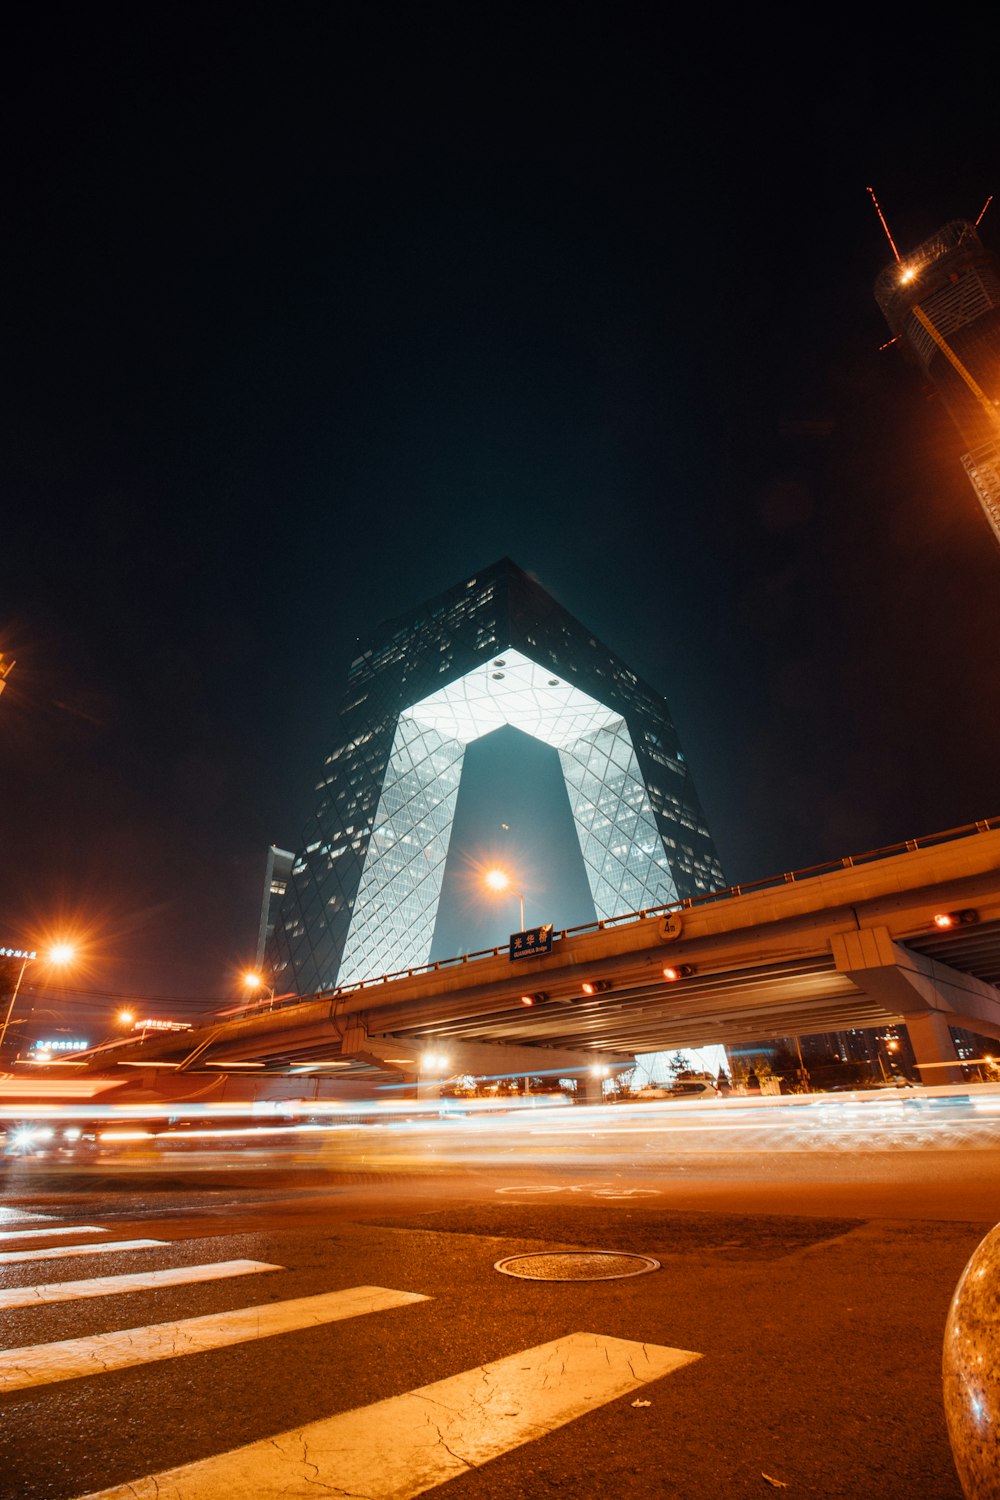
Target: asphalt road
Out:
[809,1270]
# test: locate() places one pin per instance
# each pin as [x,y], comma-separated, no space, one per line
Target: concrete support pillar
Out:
[591,1089]
[928,995]
[933,1047]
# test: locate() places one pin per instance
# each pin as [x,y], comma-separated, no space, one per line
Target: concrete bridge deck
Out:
[849,945]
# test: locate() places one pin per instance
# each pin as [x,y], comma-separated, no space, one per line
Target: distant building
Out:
[943,303]
[495,649]
[277,870]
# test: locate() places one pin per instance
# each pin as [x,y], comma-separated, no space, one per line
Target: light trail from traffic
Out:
[545,1131]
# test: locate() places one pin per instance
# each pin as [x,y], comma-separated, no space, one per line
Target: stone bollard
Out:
[970,1368]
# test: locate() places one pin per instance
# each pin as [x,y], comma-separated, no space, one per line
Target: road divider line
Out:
[42,1364]
[408,1444]
[62,1252]
[137,1281]
[30,1234]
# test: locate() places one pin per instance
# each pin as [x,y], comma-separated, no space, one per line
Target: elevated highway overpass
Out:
[850,944]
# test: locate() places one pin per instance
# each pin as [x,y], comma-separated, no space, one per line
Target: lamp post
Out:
[499,880]
[254,981]
[29,1016]
[891,1049]
[59,953]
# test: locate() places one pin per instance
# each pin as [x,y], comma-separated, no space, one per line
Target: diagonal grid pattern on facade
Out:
[494,650]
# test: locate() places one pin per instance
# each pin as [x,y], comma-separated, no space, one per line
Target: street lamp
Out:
[499,880]
[891,1048]
[59,954]
[253,981]
[434,1062]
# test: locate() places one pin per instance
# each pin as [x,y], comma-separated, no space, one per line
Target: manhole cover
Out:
[577,1265]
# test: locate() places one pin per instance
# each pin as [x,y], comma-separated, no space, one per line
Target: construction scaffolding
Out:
[983,468]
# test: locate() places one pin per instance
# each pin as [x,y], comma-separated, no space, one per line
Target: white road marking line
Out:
[406,1445]
[40,1364]
[535,1188]
[22,1216]
[610,1191]
[138,1281]
[29,1234]
[62,1252]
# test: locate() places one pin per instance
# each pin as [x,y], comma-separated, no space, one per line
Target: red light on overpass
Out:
[677,971]
[964,918]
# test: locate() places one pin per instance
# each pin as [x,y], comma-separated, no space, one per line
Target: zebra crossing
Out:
[134,1281]
[409,1444]
[40,1364]
[60,1252]
[28,1234]
[402,1446]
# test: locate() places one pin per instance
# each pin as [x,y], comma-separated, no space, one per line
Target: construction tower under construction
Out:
[942,303]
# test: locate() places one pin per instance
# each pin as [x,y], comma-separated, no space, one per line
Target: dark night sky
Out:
[314,310]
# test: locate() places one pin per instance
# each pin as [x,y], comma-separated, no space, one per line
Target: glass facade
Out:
[497,649]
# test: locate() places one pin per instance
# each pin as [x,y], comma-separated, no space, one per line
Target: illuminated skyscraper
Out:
[943,303]
[496,649]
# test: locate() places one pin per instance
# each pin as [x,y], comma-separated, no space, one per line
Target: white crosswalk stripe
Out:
[63,1252]
[137,1281]
[30,1234]
[406,1445]
[22,1216]
[41,1364]
[397,1448]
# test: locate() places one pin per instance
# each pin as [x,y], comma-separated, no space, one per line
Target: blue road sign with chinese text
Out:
[528,944]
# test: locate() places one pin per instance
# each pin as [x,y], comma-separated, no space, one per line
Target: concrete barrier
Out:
[970,1369]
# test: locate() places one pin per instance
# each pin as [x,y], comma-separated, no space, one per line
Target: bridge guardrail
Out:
[811,872]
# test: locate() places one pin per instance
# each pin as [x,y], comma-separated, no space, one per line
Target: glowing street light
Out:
[499,880]
[434,1062]
[254,982]
[59,954]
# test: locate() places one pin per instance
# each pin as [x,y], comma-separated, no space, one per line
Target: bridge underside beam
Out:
[478,1059]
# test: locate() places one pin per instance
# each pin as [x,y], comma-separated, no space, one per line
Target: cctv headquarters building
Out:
[496,649]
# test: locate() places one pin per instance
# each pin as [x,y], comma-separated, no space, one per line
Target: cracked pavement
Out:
[819,1338]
